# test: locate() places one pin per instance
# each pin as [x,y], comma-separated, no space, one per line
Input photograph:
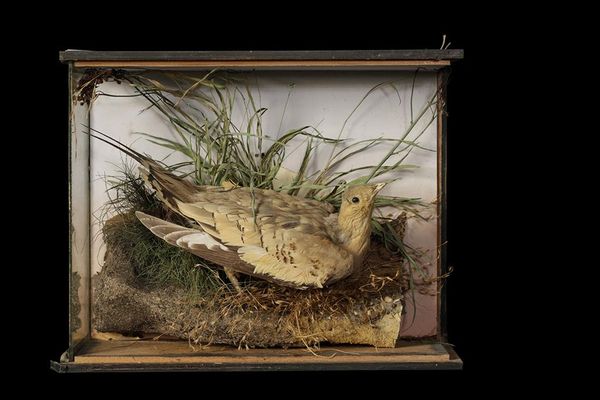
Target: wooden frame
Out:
[150,355]
[255,56]
[86,354]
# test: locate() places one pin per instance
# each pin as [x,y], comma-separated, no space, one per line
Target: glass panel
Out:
[79,198]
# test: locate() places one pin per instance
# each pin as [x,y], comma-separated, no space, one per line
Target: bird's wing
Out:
[177,235]
[300,258]
[287,238]
[289,258]
[237,217]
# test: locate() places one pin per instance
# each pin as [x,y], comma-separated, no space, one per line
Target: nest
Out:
[364,308]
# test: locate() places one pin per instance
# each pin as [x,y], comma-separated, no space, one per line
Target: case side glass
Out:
[79,210]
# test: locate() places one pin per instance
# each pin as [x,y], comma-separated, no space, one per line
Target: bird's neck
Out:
[355,235]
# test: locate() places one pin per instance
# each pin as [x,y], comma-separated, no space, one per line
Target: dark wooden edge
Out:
[421,54]
[70,351]
[443,263]
[61,367]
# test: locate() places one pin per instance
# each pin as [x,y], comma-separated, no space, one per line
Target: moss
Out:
[156,263]
[75,304]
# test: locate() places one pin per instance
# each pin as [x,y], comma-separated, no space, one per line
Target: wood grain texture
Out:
[180,352]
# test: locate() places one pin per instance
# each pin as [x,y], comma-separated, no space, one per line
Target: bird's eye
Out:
[355,199]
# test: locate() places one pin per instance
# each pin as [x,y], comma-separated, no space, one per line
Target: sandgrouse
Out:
[289,240]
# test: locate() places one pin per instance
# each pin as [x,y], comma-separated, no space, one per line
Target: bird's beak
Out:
[378,187]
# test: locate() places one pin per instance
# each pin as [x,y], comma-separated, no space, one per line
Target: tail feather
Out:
[169,188]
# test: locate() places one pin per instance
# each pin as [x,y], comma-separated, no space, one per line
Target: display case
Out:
[329,120]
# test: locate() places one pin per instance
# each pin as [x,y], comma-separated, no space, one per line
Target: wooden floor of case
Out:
[99,355]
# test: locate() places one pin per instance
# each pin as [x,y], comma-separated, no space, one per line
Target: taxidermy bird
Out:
[288,240]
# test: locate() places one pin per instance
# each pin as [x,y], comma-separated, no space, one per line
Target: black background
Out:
[477,176]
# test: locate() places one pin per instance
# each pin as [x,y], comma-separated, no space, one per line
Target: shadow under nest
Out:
[364,308]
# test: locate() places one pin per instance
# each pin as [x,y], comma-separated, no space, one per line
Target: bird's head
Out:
[358,201]
[354,219]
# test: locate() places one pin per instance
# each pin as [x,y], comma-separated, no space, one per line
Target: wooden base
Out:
[151,355]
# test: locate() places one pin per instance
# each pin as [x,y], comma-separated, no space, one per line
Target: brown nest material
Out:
[365,308]
[91,78]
